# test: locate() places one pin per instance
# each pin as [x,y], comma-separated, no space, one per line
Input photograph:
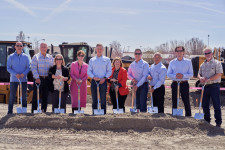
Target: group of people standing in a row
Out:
[52,75]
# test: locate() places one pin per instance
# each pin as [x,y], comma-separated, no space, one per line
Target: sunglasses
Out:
[59,59]
[19,45]
[208,53]
[179,51]
[137,53]
[80,55]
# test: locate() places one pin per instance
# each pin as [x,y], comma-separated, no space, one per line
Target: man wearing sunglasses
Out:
[138,72]
[180,70]
[18,65]
[210,73]
[99,69]
[40,66]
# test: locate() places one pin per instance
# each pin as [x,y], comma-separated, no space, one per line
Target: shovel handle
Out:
[18,96]
[98,94]
[21,94]
[178,93]
[133,97]
[203,87]
[78,93]
[178,89]
[117,103]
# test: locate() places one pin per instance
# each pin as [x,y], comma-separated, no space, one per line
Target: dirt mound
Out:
[141,122]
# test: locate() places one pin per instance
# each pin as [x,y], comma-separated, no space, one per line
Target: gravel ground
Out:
[124,131]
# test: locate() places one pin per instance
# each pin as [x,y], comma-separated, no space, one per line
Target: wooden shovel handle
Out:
[18,96]
[150,88]
[133,97]
[78,93]
[38,93]
[202,95]
[178,90]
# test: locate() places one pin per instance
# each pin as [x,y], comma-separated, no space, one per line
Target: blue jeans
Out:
[141,97]
[13,89]
[102,91]
[212,91]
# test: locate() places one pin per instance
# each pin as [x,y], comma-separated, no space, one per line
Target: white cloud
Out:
[21,7]
[57,10]
[194,4]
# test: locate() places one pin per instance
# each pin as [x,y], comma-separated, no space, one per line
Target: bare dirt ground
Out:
[124,131]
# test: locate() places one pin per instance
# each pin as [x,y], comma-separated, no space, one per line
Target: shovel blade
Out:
[21,110]
[134,110]
[37,111]
[153,110]
[98,111]
[199,116]
[118,111]
[78,112]
[59,111]
[177,112]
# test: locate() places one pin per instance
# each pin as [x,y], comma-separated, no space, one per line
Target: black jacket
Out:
[65,73]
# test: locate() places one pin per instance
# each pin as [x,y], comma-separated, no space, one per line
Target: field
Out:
[124,131]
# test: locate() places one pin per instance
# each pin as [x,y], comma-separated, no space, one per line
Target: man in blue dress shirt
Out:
[180,69]
[157,75]
[138,73]
[99,69]
[18,65]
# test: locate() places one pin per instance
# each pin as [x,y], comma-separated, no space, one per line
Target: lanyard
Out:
[80,68]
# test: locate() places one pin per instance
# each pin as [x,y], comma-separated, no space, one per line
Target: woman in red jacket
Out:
[118,82]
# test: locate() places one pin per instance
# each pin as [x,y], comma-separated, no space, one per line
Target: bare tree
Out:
[20,37]
[163,48]
[116,49]
[195,46]
[148,55]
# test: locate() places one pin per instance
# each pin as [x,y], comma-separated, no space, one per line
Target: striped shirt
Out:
[40,65]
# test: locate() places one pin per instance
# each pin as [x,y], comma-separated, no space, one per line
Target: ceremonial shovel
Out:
[176,111]
[200,115]
[59,110]
[152,109]
[98,111]
[38,110]
[78,111]
[20,109]
[134,109]
[118,110]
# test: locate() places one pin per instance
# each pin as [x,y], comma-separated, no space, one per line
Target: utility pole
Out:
[208,40]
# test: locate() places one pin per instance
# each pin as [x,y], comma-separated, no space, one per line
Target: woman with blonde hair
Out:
[78,73]
[58,75]
[118,83]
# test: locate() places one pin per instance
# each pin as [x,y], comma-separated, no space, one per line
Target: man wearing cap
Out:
[210,74]
[18,65]
[180,70]
[138,73]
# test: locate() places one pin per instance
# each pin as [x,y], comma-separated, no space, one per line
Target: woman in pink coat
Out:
[78,73]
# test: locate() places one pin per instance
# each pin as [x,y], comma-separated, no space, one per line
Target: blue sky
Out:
[134,23]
